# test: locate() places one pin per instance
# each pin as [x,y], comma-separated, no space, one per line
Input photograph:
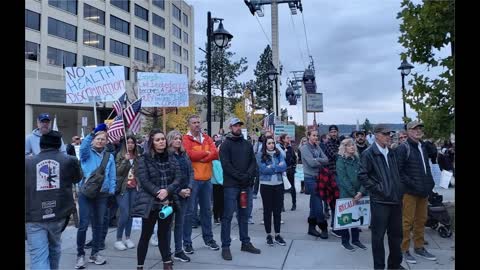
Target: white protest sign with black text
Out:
[82,84]
[349,214]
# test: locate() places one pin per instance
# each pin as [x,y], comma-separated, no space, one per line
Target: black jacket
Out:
[382,181]
[412,171]
[291,157]
[150,181]
[48,191]
[71,150]
[238,162]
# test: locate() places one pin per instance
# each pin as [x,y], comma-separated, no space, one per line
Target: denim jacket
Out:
[266,172]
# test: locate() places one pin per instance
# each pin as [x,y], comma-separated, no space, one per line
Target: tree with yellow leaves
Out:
[178,121]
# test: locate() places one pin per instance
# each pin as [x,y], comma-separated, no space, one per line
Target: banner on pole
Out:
[163,89]
[314,102]
[349,214]
[289,129]
[84,84]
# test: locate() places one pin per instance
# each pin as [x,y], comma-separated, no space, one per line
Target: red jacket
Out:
[201,160]
[327,186]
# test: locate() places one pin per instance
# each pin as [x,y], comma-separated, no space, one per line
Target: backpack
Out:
[92,185]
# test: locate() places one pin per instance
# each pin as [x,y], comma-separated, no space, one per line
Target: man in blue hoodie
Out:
[32,141]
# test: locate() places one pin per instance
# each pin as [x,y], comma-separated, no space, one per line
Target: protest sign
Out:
[349,214]
[163,89]
[84,84]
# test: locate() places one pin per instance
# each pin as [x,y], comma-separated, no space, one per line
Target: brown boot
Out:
[168,265]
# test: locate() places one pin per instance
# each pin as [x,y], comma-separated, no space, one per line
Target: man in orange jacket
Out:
[202,151]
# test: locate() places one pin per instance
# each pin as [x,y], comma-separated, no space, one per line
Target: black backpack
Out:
[92,185]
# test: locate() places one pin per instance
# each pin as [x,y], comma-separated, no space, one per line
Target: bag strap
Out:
[103,165]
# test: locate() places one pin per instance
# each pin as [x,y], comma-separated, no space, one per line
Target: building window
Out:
[32,51]
[67,5]
[141,33]
[158,41]
[177,49]
[185,19]
[119,25]
[185,70]
[141,12]
[121,4]
[92,62]
[177,67]
[93,39]
[177,32]
[61,58]
[62,29]
[141,55]
[176,13]
[93,14]
[185,54]
[119,48]
[127,70]
[159,61]
[159,3]
[158,21]
[185,37]
[32,20]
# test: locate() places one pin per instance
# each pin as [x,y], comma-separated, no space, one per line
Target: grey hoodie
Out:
[32,143]
[312,158]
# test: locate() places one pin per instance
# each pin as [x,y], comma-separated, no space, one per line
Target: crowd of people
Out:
[179,178]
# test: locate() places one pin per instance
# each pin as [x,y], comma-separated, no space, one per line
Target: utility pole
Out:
[275,56]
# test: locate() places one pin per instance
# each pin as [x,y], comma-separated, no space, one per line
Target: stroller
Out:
[438,217]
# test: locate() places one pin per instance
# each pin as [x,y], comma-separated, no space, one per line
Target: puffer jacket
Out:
[197,152]
[347,177]
[381,181]
[412,171]
[150,181]
[90,160]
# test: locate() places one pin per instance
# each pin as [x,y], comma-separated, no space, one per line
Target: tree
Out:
[300,132]
[224,78]
[425,28]
[263,86]
[367,126]
[178,120]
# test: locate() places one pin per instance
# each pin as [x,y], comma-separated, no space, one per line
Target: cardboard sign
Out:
[84,84]
[349,214]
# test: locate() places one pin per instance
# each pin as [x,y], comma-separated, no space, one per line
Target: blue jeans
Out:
[316,204]
[231,204]
[44,243]
[203,191]
[179,221]
[94,209]
[125,203]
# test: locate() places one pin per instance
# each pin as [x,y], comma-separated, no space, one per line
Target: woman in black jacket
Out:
[158,175]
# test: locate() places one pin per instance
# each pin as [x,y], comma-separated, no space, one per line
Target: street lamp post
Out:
[405,69]
[221,38]
[272,76]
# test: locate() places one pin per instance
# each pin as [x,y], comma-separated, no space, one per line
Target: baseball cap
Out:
[414,124]
[333,127]
[44,116]
[235,121]
[382,128]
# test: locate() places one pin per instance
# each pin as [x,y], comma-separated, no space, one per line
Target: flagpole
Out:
[110,114]
[125,133]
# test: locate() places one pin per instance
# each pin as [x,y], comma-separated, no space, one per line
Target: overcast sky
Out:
[354,45]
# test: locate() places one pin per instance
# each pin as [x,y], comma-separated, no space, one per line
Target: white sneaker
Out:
[97,259]
[80,262]
[129,243]
[119,245]
[154,240]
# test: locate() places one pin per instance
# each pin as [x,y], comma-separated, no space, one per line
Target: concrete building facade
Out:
[136,34]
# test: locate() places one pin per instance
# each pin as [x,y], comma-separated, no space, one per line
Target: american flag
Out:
[118,104]
[116,129]
[132,115]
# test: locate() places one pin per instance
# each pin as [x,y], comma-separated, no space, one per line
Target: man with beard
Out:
[360,141]
[239,168]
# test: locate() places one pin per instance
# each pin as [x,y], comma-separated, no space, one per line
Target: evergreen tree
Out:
[367,126]
[224,79]
[263,86]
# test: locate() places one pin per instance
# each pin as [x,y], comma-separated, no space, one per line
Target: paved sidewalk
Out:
[301,252]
